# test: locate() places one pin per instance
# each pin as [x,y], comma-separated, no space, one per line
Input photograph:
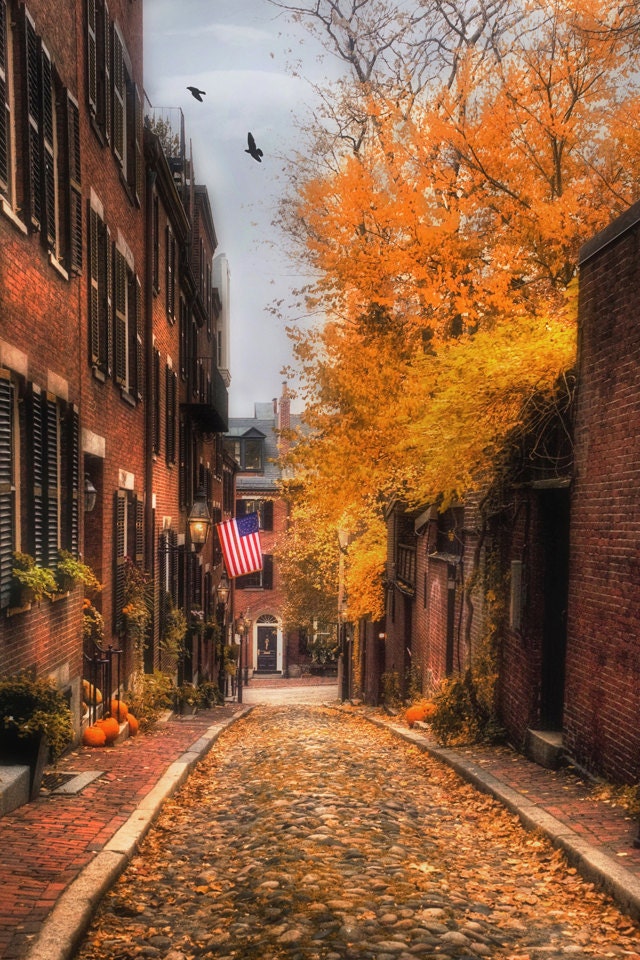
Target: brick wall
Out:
[603,653]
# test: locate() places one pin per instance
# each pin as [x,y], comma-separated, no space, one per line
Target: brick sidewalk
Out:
[45,845]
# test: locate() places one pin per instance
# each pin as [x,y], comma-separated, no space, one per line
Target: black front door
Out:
[267,649]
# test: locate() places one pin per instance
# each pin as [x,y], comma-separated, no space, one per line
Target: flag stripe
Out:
[240,541]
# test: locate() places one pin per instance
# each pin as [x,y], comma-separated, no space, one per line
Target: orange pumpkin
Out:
[414,713]
[134,726]
[119,710]
[111,728]
[94,737]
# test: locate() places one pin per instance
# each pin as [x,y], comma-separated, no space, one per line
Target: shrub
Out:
[36,706]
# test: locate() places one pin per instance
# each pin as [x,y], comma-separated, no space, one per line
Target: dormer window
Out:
[247,451]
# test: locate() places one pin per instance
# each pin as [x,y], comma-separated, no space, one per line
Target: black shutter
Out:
[138,508]
[170,278]
[34,120]
[71,488]
[183,473]
[92,63]
[105,96]
[119,96]
[37,538]
[267,572]
[52,474]
[135,324]
[155,402]
[119,573]
[94,288]
[48,159]
[74,187]
[5,108]
[7,539]
[106,300]
[120,320]
[174,567]
[267,514]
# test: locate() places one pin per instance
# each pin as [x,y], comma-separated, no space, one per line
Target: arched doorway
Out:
[268,644]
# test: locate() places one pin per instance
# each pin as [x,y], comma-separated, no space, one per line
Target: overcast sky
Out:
[238,52]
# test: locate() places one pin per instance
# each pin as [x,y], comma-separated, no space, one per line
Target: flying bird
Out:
[198,94]
[254,151]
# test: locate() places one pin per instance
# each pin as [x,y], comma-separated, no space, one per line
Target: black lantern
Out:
[199,519]
[223,589]
[90,494]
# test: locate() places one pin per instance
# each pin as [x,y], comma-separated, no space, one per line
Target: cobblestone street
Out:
[309,833]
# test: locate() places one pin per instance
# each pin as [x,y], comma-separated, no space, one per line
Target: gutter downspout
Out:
[148,333]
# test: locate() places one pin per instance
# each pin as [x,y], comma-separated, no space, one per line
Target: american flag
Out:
[240,540]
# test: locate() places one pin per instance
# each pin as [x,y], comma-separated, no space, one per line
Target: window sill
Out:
[11,215]
[57,266]
[128,398]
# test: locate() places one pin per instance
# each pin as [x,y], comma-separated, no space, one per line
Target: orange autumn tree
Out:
[444,249]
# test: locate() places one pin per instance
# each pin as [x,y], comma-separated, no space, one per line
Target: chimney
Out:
[284,418]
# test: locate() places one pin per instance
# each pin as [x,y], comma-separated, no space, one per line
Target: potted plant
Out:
[187,698]
[36,724]
[71,571]
[30,582]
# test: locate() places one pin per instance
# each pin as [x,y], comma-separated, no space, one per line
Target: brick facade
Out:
[108,343]
[603,652]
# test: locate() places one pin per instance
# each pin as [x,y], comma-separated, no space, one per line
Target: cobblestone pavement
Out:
[309,833]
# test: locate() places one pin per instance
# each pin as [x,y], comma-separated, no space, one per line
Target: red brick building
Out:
[254,444]
[109,380]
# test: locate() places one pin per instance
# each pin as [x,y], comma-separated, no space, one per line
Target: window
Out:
[39,142]
[248,452]
[261,580]
[39,453]
[127,339]
[115,318]
[264,509]
[115,103]
[129,544]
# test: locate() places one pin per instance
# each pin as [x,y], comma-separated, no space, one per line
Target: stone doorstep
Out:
[545,748]
[14,787]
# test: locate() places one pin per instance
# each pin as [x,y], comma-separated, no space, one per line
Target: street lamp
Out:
[199,520]
[241,629]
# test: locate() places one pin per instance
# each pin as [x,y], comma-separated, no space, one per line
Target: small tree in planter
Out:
[35,723]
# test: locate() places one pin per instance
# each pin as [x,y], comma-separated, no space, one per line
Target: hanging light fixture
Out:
[222,590]
[90,495]
[199,519]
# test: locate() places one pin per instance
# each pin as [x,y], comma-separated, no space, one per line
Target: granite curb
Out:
[67,923]
[594,865]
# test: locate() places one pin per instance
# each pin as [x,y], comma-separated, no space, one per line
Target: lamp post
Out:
[199,520]
[222,596]
[241,629]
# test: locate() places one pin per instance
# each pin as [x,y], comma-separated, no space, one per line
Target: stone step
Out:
[545,747]
[14,787]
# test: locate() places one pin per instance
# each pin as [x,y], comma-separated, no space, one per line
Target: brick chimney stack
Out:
[284,418]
